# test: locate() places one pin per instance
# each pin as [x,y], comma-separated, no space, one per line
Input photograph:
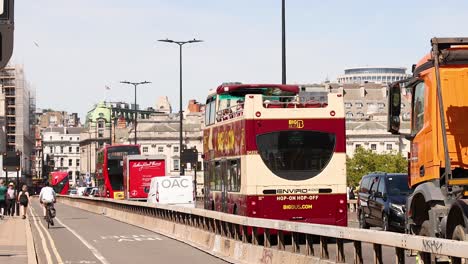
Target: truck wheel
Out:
[362,221]
[459,235]
[424,257]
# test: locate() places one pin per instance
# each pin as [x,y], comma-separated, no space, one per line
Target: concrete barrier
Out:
[237,239]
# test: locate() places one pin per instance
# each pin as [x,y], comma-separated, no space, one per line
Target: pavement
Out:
[16,242]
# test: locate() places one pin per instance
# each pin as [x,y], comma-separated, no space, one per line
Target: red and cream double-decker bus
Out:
[273,151]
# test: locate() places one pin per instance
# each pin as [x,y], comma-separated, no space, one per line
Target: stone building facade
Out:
[62,145]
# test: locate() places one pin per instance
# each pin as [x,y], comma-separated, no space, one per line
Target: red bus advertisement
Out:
[109,169]
[138,170]
[59,182]
[277,152]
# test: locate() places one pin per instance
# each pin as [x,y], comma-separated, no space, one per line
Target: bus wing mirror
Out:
[394,108]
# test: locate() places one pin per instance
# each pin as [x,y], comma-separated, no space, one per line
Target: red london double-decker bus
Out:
[59,181]
[109,169]
[277,152]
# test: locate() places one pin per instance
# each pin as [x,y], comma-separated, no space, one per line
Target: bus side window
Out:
[235,176]
[213,111]
[218,176]
[212,176]
[227,183]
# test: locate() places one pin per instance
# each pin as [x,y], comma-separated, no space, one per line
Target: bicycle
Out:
[49,214]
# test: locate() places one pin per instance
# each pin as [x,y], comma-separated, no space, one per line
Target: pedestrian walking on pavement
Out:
[23,200]
[11,199]
[3,191]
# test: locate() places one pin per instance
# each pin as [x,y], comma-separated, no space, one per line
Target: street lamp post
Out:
[180,43]
[135,84]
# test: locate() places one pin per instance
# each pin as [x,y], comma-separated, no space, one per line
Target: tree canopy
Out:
[366,161]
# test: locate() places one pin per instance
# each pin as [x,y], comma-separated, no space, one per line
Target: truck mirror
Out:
[394,108]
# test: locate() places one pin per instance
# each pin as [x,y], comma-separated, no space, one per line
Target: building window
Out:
[389,146]
[348,105]
[101,133]
[349,115]
[77,149]
[373,146]
[61,162]
[77,138]
[77,162]
[160,149]
[100,124]
[71,139]
[61,149]
[61,138]
[360,115]
[50,138]
[176,149]
[381,105]
[175,163]
[70,149]
[145,149]
[70,162]
[359,105]
[357,146]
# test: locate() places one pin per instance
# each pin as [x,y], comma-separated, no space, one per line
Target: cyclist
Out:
[47,197]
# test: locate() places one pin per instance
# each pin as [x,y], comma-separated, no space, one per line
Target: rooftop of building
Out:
[64,130]
[373,125]
[375,70]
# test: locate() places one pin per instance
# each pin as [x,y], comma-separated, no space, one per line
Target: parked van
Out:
[176,190]
[381,200]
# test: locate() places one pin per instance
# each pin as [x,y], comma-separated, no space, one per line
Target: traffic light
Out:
[7,27]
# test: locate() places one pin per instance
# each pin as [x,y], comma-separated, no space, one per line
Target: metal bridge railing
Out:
[272,234]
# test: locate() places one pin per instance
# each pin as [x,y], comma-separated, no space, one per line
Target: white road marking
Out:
[95,252]
[43,242]
[80,262]
[54,248]
[132,238]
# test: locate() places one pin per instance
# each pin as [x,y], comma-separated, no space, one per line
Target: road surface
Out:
[83,237]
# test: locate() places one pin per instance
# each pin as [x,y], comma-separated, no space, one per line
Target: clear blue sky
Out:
[85,45]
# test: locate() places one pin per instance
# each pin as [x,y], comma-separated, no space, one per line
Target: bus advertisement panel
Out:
[138,171]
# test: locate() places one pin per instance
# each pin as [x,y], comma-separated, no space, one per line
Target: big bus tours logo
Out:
[296,123]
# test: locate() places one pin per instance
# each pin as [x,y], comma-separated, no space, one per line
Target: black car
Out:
[381,200]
